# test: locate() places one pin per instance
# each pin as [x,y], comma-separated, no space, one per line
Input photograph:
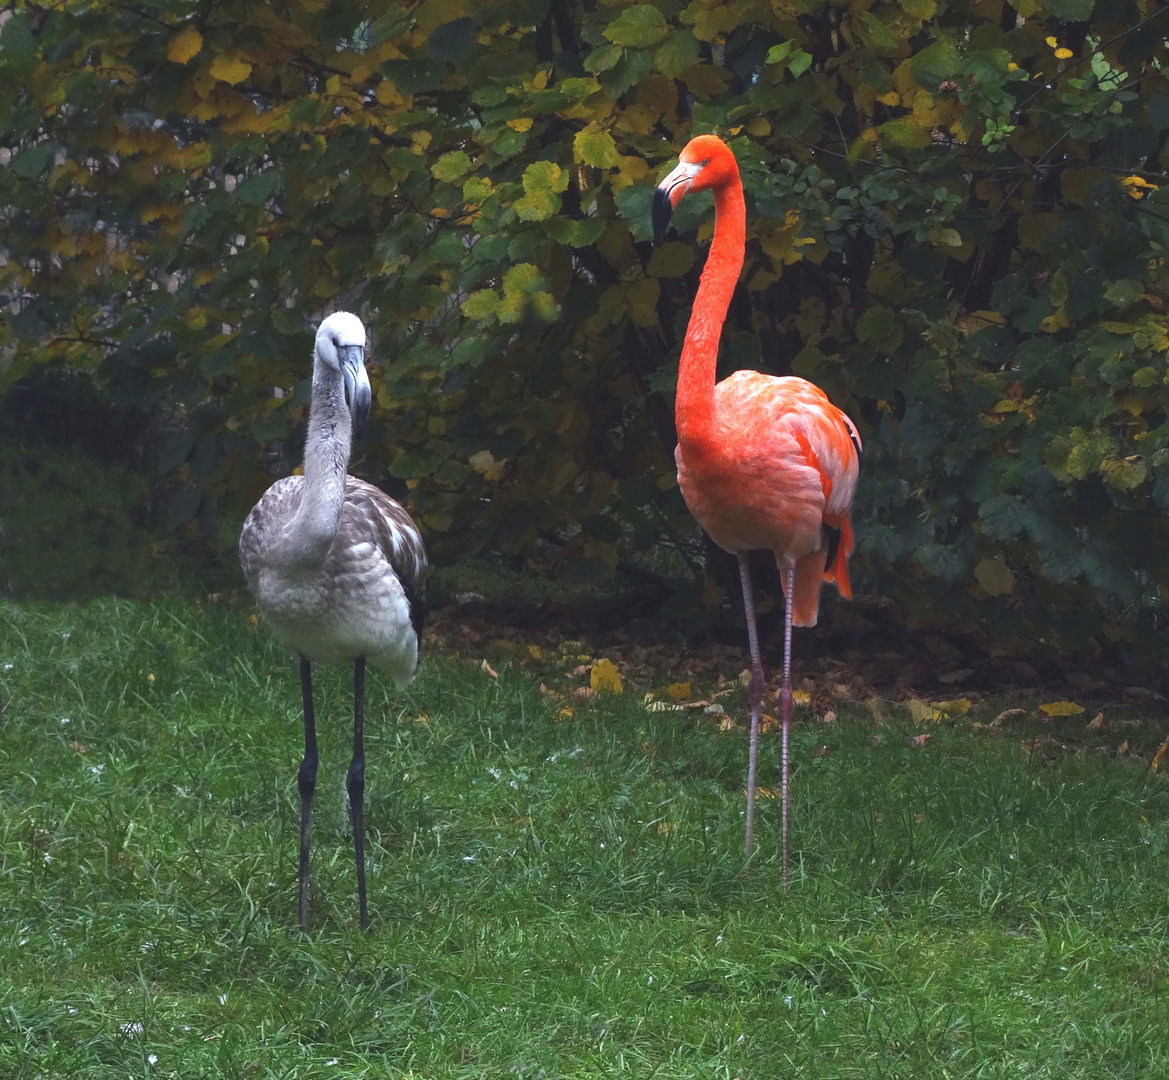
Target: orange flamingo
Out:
[763,462]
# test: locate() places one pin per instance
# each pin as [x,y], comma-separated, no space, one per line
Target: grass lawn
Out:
[551,896]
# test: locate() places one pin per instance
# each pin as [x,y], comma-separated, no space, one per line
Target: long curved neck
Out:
[326,460]
[694,413]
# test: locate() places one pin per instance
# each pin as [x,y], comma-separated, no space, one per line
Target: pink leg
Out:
[754,697]
[785,700]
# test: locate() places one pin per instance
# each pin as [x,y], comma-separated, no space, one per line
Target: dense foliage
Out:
[954,227]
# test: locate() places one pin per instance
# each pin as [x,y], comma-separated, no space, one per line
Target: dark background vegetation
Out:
[955,228]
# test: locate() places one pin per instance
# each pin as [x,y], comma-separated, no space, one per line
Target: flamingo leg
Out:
[754,697]
[785,702]
[355,784]
[306,781]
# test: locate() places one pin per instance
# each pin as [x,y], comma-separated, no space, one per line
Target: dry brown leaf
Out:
[487,669]
[81,748]
[766,723]
[583,693]
[829,717]
[918,741]
[1006,715]
[1097,722]
[1122,749]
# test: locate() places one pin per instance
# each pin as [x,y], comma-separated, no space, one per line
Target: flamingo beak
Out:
[669,193]
[357,389]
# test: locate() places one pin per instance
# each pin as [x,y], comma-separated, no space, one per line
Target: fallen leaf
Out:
[956,676]
[1061,708]
[81,748]
[1159,756]
[726,724]
[1122,749]
[829,717]
[922,711]
[666,827]
[1007,714]
[957,707]
[577,672]
[745,677]
[549,693]
[1097,722]
[801,697]
[764,793]
[918,741]
[766,723]
[606,677]
[583,693]
[564,714]
[678,690]
[535,652]
[487,669]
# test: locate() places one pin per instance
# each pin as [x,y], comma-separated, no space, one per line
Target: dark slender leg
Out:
[356,783]
[307,782]
[754,697]
[785,699]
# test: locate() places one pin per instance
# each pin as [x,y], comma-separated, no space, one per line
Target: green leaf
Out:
[1123,293]
[522,278]
[603,58]
[1070,10]
[545,176]
[633,203]
[637,27]
[677,53]
[877,32]
[574,233]
[33,160]
[537,205]
[799,63]
[481,304]
[1126,474]
[905,133]
[935,64]
[451,166]
[596,148]
[778,52]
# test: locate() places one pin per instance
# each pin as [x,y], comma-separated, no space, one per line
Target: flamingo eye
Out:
[703,164]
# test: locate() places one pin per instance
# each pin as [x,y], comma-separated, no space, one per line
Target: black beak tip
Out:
[360,413]
[662,210]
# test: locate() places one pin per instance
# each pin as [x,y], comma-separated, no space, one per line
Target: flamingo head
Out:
[705,162]
[340,346]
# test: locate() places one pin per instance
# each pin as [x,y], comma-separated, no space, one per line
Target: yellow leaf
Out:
[1051,41]
[956,707]
[486,463]
[801,697]
[230,68]
[1061,708]
[1054,322]
[520,123]
[1063,54]
[995,577]
[678,690]
[1159,756]
[605,676]
[387,94]
[922,710]
[185,44]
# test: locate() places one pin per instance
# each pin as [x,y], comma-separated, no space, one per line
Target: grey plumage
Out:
[337,567]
